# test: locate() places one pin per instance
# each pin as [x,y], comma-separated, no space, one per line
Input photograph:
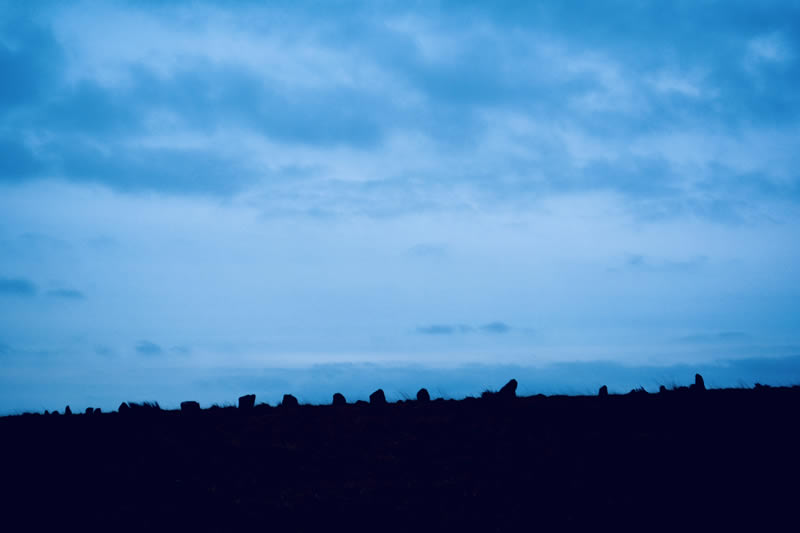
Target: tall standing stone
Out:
[248,401]
[509,390]
[699,384]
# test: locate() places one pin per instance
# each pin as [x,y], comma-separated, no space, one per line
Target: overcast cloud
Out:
[433,183]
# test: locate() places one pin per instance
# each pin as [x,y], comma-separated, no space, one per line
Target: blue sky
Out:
[196,193]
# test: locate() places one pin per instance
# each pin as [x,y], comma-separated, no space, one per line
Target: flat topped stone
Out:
[423,395]
[339,399]
[248,401]
[190,406]
[89,411]
[289,401]
[377,397]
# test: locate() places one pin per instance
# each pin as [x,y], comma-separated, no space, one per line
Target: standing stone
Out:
[699,384]
[289,401]
[662,389]
[509,390]
[123,408]
[248,401]
[377,398]
[339,399]
[423,395]
[97,411]
[190,406]
[603,392]
[89,411]
[67,410]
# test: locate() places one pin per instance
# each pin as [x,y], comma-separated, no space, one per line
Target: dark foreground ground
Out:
[722,459]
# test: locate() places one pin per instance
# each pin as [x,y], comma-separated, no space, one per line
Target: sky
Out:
[205,199]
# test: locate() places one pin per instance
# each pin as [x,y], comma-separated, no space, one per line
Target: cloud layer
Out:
[689,107]
[227,185]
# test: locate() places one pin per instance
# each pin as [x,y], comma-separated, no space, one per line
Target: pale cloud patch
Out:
[675,83]
[770,48]
[278,50]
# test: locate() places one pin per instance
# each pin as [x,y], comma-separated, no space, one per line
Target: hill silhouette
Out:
[684,458]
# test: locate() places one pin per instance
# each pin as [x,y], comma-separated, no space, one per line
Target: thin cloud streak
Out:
[66,294]
[17,287]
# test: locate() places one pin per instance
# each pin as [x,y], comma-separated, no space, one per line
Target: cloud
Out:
[17,287]
[348,107]
[66,294]
[30,58]
[718,337]
[437,329]
[768,48]
[460,168]
[643,263]
[495,327]
[18,162]
[148,348]
[454,329]
[427,250]
[104,351]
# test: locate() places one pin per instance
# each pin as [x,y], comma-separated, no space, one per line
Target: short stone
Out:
[289,401]
[190,406]
[377,398]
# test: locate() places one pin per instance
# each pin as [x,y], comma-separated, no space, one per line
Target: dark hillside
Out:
[718,458]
